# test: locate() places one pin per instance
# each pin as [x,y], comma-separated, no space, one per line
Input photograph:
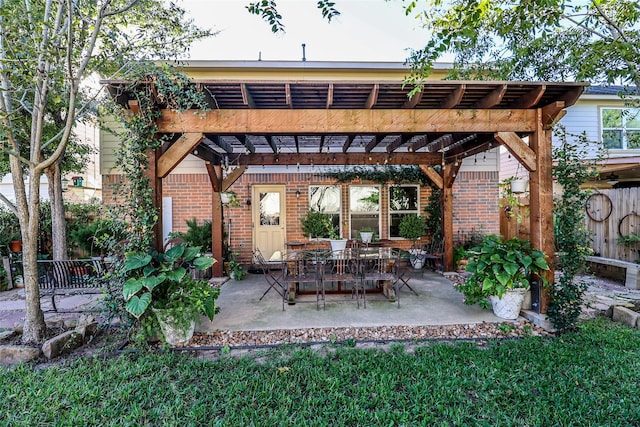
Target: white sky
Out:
[366,30]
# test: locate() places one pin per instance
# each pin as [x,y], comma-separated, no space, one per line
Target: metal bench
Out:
[69,277]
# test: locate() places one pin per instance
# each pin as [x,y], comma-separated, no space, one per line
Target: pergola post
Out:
[541,201]
[448,177]
[155,182]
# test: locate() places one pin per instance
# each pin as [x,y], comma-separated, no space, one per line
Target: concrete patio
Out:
[437,303]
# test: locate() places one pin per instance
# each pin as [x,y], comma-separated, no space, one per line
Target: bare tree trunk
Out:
[58,223]
[34,330]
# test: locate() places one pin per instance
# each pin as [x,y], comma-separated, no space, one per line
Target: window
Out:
[364,208]
[326,199]
[403,201]
[621,128]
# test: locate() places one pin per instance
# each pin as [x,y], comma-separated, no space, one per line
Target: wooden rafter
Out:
[439,143]
[215,176]
[493,98]
[372,144]
[395,158]
[232,177]
[347,143]
[398,142]
[330,96]
[244,139]
[421,142]
[413,101]
[272,143]
[552,113]
[373,97]
[247,99]
[454,98]
[224,146]
[287,95]
[529,99]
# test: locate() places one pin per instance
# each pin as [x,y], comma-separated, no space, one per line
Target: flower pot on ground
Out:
[499,266]
[161,281]
[508,306]
[417,257]
[177,326]
[234,268]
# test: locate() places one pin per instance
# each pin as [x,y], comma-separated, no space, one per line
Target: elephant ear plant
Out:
[497,266]
[162,281]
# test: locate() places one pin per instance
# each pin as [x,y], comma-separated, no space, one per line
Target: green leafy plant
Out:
[512,202]
[497,266]
[162,281]
[629,241]
[235,269]
[318,224]
[232,198]
[197,235]
[412,227]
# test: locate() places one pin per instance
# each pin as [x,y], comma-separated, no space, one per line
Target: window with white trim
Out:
[403,200]
[620,128]
[326,199]
[364,209]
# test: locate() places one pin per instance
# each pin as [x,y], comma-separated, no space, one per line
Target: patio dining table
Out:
[373,267]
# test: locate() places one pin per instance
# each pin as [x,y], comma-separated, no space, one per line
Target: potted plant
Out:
[234,268]
[313,224]
[366,234]
[412,227]
[500,274]
[511,198]
[229,198]
[159,283]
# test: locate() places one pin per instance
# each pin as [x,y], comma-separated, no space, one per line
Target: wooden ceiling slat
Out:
[247,99]
[529,99]
[347,143]
[330,96]
[248,145]
[413,101]
[492,98]
[372,144]
[454,98]
[292,159]
[373,97]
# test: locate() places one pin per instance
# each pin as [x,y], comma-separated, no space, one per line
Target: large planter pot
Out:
[15,246]
[508,307]
[338,245]
[175,333]
[417,258]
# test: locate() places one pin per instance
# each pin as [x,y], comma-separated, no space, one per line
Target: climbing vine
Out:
[573,240]
[379,174]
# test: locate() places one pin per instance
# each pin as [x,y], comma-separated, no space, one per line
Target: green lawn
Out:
[591,377]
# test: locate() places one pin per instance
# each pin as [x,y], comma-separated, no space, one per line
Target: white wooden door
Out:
[269,219]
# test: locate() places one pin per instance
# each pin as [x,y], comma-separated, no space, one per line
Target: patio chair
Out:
[342,267]
[273,277]
[304,267]
[404,273]
[382,268]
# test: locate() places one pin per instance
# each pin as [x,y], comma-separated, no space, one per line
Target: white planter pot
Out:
[338,245]
[225,198]
[366,236]
[508,307]
[417,262]
[173,333]
[518,186]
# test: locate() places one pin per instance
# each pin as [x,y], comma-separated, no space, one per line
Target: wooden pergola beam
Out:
[492,99]
[395,158]
[413,101]
[177,152]
[373,97]
[247,99]
[454,98]
[232,177]
[432,174]
[312,121]
[518,149]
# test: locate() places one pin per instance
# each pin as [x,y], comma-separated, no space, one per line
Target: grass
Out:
[589,377]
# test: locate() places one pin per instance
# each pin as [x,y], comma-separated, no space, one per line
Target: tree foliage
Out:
[555,40]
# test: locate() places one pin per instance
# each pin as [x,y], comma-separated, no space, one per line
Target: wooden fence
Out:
[610,215]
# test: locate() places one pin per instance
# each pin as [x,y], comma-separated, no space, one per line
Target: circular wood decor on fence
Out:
[599,207]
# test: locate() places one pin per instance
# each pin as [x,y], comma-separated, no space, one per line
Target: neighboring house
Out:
[79,187]
[600,113]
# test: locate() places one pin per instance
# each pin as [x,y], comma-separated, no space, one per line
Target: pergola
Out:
[365,123]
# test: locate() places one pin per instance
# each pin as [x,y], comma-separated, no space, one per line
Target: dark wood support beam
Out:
[398,142]
[272,143]
[454,97]
[372,144]
[433,175]
[529,99]
[347,143]
[222,144]
[155,181]
[244,139]
[330,96]
[439,143]
[413,101]
[518,149]
[373,97]
[450,171]
[247,99]
[177,152]
[421,142]
[492,99]
[541,201]
[217,233]
[215,176]
[395,158]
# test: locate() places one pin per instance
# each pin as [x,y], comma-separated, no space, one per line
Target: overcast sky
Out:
[366,30]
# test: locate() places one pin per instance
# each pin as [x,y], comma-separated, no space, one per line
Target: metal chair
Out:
[300,267]
[381,268]
[342,267]
[404,273]
[273,277]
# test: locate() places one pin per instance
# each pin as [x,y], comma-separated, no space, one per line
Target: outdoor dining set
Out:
[354,270]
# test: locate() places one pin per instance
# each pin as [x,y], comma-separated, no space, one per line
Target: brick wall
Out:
[475,204]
